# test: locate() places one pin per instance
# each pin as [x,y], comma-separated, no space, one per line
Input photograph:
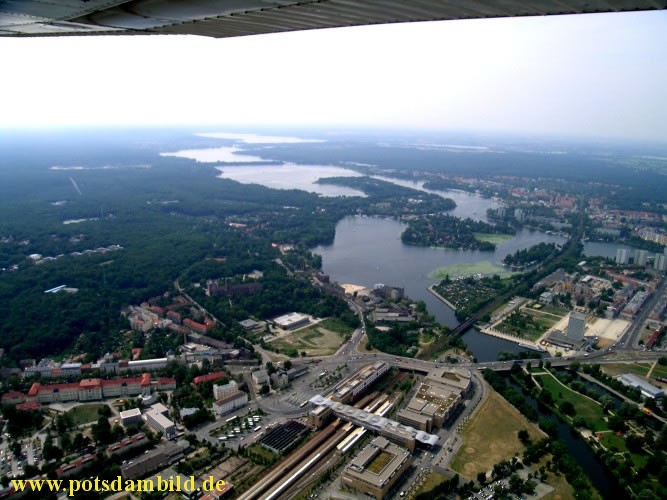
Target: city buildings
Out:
[635,304]
[622,256]
[230,403]
[222,391]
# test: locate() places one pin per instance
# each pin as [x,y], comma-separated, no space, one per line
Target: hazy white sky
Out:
[598,75]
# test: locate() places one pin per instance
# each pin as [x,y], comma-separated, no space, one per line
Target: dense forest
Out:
[385,198]
[535,254]
[451,232]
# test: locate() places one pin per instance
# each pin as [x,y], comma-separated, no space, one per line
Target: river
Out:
[599,476]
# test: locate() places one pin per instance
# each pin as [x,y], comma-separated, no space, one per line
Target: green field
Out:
[85,413]
[494,238]
[583,406]
[659,371]
[531,331]
[484,267]
[611,440]
[616,369]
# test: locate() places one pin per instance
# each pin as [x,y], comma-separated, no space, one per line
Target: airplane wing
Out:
[228,18]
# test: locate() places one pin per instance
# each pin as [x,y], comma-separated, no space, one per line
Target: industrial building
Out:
[376,468]
[362,380]
[647,389]
[291,321]
[281,438]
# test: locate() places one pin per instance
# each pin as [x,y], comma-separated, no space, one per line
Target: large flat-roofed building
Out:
[291,321]
[635,304]
[130,417]
[458,378]
[436,399]
[281,438]
[648,390]
[376,468]
[154,459]
[362,380]
[161,424]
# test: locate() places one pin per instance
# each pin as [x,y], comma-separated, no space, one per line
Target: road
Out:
[631,337]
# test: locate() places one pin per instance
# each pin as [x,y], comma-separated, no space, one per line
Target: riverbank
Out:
[440,297]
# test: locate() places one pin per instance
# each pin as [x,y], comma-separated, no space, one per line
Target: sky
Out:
[599,75]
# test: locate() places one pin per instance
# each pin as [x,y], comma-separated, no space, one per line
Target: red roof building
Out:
[28,406]
[13,397]
[209,378]
[197,327]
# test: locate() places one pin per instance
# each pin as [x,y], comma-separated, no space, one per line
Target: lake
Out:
[292,176]
[367,251]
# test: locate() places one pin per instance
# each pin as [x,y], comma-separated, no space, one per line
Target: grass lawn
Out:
[258,450]
[85,413]
[562,489]
[659,371]
[615,369]
[583,406]
[484,267]
[558,311]
[492,436]
[321,339]
[611,440]
[494,238]
[531,331]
